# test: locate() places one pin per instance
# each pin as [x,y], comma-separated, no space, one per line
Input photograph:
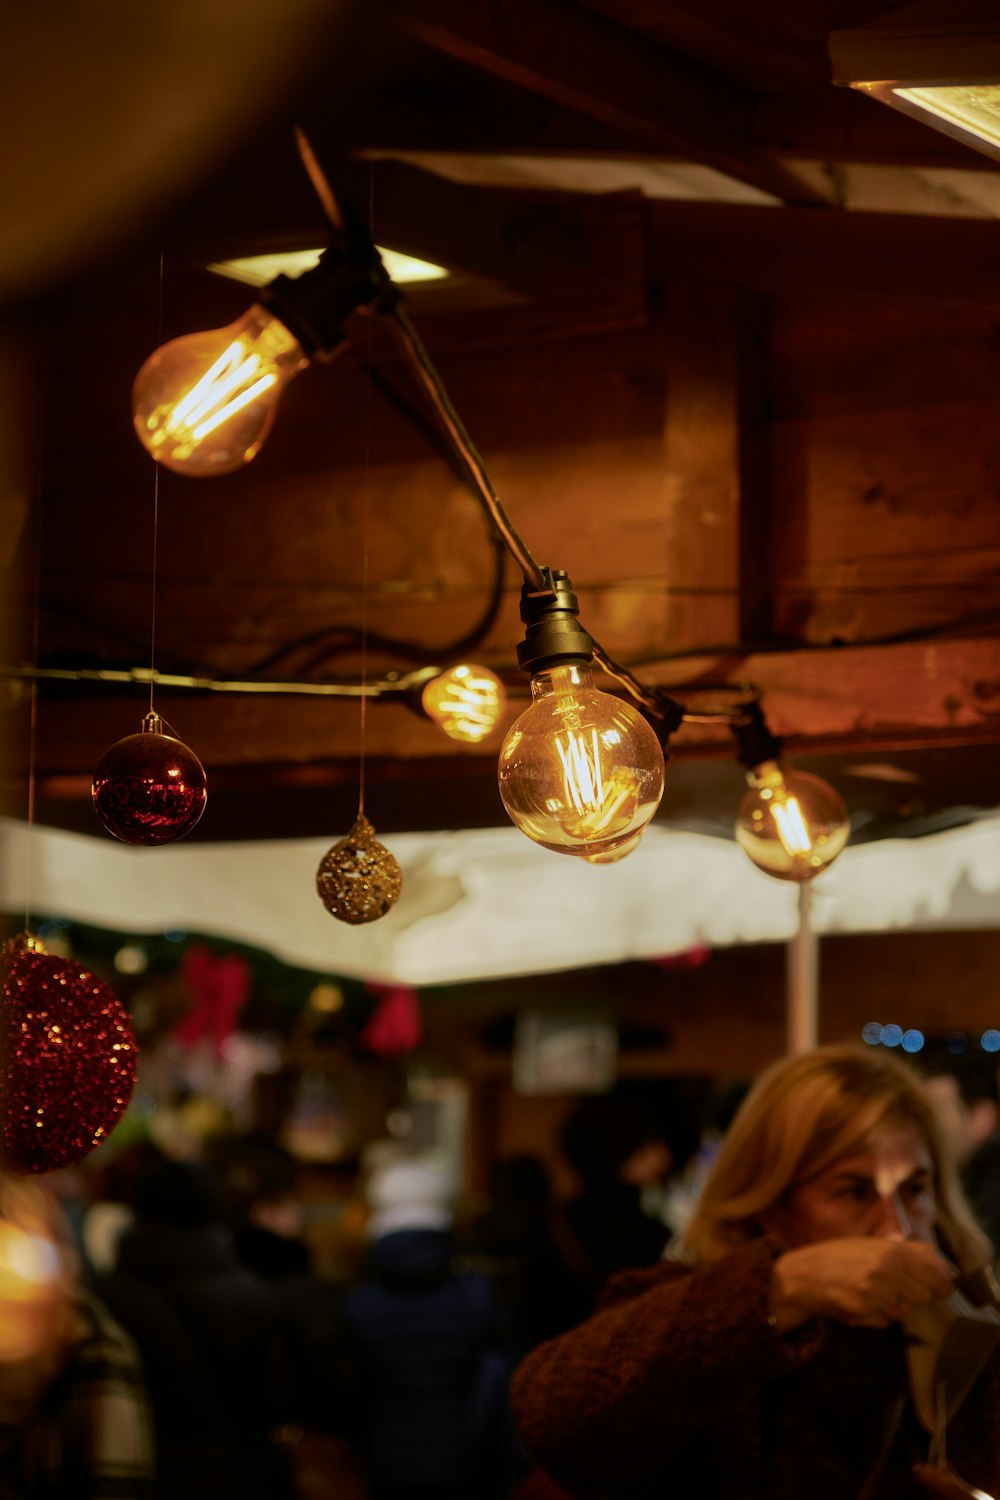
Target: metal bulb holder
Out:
[580,771]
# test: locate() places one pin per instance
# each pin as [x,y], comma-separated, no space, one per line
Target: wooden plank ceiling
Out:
[728,338]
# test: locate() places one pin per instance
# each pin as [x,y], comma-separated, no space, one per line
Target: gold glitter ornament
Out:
[358,879]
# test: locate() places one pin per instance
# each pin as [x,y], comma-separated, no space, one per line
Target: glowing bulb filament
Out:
[583,780]
[263,384]
[792,828]
[582,772]
[220,389]
[465,702]
[200,394]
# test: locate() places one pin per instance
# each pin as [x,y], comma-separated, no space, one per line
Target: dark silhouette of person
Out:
[433,1346]
[258,1188]
[525,1244]
[211,1343]
[617,1145]
[966,1093]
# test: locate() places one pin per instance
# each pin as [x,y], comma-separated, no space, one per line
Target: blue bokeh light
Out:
[990,1041]
[872,1033]
[913,1040]
[892,1035]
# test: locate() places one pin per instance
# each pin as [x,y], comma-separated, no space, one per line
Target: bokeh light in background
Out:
[33,1276]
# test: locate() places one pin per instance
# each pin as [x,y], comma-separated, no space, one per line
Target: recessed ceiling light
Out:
[931,64]
[257,270]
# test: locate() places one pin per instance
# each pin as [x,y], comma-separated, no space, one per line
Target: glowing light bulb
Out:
[790,824]
[581,772]
[204,404]
[466,702]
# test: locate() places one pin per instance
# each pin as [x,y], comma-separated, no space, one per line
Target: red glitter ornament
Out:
[68,1056]
[149,788]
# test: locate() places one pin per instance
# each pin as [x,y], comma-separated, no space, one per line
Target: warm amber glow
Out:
[466,702]
[203,404]
[620,852]
[791,824]
[32,1290]
[581,772]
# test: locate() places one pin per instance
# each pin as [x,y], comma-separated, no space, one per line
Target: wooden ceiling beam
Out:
[871,254]
[591,66]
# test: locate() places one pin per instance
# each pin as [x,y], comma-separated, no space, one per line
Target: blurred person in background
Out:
[433,1346]
[524,1243]
[211,1340]
[624,1150]
[258,1187]
[770,1356]
[74,1418]
[966,1091]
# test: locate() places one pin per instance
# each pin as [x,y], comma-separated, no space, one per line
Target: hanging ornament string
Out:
[359,879]
[365,518]
[364,657]
[156,519]
[150,788]
[36,571]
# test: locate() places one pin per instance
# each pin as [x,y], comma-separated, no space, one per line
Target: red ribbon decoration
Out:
[219,988]
[394,1025]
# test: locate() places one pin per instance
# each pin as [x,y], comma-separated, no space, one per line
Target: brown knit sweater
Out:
[679,1387]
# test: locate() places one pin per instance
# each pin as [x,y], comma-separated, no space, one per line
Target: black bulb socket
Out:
[553,634]
[755,742]
[316,305]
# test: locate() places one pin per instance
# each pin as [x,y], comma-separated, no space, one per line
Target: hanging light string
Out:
[656,702]
[471,459]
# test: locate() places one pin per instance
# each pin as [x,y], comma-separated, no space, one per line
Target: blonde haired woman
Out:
[766,1358]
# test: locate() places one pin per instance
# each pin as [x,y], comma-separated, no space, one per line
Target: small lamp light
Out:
[466,702]
[790,824]
[942,68]
[203,404]
[580,771]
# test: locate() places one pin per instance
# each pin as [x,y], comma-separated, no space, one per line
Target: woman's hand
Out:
[870,1282]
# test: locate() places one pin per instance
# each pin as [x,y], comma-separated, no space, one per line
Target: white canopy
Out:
[489,903]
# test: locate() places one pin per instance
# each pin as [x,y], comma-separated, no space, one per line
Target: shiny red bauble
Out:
[149,788]
[68,1060]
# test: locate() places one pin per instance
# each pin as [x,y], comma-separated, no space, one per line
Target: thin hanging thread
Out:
[152,625]
[366,485]
[156,518]
[33,710]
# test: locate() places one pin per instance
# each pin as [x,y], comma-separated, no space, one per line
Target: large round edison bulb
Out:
[204,404]
[581,772]
[791,824]
[466,702]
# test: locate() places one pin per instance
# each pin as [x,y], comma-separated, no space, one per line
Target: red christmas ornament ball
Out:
[149,788]
[68,1055]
